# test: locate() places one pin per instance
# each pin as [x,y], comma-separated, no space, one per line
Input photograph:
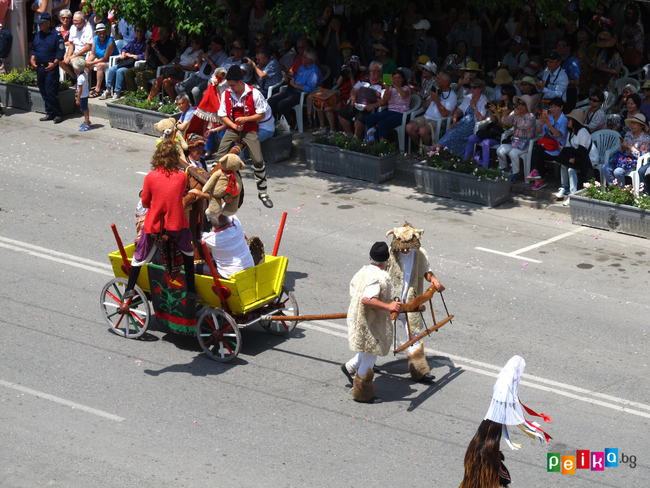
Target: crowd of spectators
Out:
[504,66]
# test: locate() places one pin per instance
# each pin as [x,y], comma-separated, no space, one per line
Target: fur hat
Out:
[405,237]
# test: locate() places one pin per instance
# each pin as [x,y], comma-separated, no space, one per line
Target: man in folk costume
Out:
[484,466]
[242,109]
[370,331]
[407,267]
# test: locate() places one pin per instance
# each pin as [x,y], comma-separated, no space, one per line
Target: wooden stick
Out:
[280,231]
[422,334]
[301,318]
[126,265]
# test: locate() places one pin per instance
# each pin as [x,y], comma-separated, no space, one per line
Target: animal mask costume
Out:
[405,237]
[225,181]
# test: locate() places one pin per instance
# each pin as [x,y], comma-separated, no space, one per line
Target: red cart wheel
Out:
[285,304]
[132,324]
[218,335]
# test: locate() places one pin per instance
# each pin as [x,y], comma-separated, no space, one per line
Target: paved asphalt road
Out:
[81,407]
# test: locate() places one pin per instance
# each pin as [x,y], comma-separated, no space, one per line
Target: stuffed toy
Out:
[225,182]
[168,131]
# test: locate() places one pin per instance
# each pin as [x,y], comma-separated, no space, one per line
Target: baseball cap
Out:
[45,17]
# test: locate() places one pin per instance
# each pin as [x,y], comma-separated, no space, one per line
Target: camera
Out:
[345,72]
[244,60]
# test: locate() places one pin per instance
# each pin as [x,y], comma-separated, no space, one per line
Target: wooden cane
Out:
[301,318]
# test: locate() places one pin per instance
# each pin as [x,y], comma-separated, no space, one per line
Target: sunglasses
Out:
[646,89]
[521,104]
[594,100]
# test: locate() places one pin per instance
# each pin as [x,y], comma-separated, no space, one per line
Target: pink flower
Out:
[455,166]
[596,184]
[431,153]
[587,185]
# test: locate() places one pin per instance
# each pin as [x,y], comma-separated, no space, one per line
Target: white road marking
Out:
[527,379]
[515,254]
[328,326]
[56,256]
[62,401]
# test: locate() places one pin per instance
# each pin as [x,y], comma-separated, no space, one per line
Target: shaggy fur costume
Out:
[217,187]
[405,237]
[370,330]
[363,387]
[418,365]
[395,268]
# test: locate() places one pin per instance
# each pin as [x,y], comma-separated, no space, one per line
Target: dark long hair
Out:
[483,457]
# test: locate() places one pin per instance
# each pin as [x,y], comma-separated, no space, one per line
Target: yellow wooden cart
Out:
[242,300]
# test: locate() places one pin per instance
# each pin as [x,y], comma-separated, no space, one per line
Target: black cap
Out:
[553,56]
[219,40]
[379,252]
[234,73]
[45,17]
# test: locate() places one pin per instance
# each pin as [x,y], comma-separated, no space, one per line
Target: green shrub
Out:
[615,194]
[447,160]
[27,77]
[350,143]
[138,99]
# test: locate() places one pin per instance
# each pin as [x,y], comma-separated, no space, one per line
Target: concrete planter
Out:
[278,148]
[135,119]
[330,159]
[459,186]
[609,216]
[29,98]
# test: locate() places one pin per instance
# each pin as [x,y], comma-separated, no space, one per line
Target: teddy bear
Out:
[167,129]
[225,182]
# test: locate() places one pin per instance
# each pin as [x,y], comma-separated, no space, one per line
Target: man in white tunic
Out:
[370,330]
[407,267]
[227,243]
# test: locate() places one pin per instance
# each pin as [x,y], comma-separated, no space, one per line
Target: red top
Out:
[245,110]
[162,193]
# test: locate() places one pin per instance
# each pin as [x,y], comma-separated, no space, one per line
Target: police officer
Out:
[48,49]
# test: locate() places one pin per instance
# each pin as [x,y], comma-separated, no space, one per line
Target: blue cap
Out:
[45,17]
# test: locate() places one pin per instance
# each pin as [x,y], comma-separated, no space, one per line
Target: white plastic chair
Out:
[489,92]
[416,104]
[527,157]
[584,103]
[269,92]
[610,100]
[645,71]
[623,82]
[636,182]
[607,142]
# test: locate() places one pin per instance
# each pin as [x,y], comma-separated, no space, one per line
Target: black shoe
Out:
[373,400]
[376,369]
[349,375]
[265,200]
[128,294]
[58,119]
[427,379]
[46,118]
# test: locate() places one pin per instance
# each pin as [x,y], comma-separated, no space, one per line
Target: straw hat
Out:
[405,237]
[473,66]
[605,39]
[380,47]
[346,45]
[423,24]
[640,118]
[577,115]
[527,99]
[502,77]
[526,79]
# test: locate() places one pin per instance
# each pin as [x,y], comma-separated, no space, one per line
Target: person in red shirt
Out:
[162,194]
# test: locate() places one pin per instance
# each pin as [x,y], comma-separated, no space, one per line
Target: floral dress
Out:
[614,62]
[627,160]
[456,139]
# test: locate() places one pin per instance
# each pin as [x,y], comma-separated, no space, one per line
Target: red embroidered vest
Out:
[245,108]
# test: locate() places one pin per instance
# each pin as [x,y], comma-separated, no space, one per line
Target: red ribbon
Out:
[232,184]
[532,412]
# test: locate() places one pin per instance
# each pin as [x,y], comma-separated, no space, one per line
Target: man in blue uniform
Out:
[48,49]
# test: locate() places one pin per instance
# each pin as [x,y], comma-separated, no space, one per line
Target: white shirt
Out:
[83,85]
[449,103]
[229,248]
[127,31]
[258,101]
[583,138]
[268,122]
[79,38]
[480,105]
[188,58]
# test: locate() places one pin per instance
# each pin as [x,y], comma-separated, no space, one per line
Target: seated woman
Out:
[172,75]
[491,136]
[595,118]
[522,135]
[351,72]
[469,73]
[527,87]
[102,50]
[227,243]
[471,110]
[134,51]
[635,145]
[632,107]
[398,99]
[456,62]
[579,154]
[553,130]
[621,101]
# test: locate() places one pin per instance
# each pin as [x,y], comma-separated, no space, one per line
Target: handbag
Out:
[548,143]
[323,100]
[125,63]
[519,143]
[492,131]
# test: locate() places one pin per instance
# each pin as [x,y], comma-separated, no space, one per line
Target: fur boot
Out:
[418,365]
[363,387]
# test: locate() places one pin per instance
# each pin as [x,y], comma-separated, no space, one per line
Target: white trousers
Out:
[361,363]
[507,150]
[411,349]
